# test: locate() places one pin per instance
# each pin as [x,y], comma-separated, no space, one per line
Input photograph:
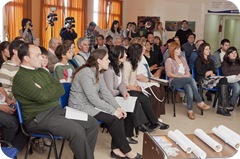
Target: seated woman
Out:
[231,66]
[63,70]
[114,79]
[152,60]
[90,94]
[135,54]
[179,77]
[205,70]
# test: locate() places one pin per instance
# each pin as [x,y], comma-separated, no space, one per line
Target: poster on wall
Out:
[222,6]
[148,21]
[175,25]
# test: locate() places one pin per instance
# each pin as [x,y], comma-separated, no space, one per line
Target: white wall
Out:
[168,10]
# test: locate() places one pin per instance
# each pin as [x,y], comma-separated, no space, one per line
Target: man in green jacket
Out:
[38,93]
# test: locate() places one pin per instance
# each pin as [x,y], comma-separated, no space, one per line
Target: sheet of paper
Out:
[75,114]
[232,79]
[127,105]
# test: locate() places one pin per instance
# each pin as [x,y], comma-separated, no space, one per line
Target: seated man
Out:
[38,93]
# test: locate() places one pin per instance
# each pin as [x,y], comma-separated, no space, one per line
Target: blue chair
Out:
[9,151]
[64,98]
[39,134]
[173,96]
[215,90]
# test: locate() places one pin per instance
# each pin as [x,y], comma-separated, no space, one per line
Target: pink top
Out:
[171,66]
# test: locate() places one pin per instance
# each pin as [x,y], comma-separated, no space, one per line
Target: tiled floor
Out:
[181,122]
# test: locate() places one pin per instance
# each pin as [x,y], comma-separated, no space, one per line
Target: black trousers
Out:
[144,103]
[116,129]
[82,135]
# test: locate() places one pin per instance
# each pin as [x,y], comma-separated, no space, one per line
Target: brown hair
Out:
[92,62]
[171,48]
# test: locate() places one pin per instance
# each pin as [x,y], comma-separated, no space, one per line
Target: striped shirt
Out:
[7,72]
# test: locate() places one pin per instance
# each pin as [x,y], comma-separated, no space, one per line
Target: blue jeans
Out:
[190,87]
[235,92]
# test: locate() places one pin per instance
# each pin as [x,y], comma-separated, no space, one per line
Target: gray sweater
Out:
[87,95]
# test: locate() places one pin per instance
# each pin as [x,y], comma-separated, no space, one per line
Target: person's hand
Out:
[153,67]
[212,75]
[11,101]
[138,89]
[126,95]
[7,109]
[118,114]
[208,73]
[123,112]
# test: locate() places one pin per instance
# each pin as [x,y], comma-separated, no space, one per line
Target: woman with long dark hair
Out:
[115,29]
[90,94]
[143,112]
[27,31]
[4,52]
[231,66]
[131,78]
[206,71]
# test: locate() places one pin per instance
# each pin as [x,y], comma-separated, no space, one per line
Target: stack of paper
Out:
[226,137]
[195,149]
[179,141]
[208,140]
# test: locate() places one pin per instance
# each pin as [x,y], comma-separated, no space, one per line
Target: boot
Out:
[224,101]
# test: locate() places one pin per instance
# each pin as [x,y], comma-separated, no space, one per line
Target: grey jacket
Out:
[111,80]
[217,59]
[85,93]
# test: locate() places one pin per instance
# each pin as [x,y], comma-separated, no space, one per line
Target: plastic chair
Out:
[9,151]
[64,98]
[39,134]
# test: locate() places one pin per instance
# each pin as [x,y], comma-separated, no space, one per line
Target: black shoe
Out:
[113,155]
[138,156]
[144,128]
[223,112]
[154,126]
[209,96]
[131,140]
[163,126]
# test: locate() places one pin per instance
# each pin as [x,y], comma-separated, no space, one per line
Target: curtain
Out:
[78,10]
[16,10]
[102,14]
[115,12]
[46,30]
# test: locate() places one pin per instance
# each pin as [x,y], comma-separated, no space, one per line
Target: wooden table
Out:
[152,150]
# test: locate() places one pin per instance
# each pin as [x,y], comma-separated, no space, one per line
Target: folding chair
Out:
[39,134]
[9,151]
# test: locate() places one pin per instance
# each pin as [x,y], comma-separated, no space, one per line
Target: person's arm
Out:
[33,35]
[106,94]
[217,61]
[109,79]
[200,68]
[142,78]
[74,34]
[25,86]
[89,88]
[23,33]
[64,33]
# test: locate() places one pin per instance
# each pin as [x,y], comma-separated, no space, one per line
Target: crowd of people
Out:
[121,64]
